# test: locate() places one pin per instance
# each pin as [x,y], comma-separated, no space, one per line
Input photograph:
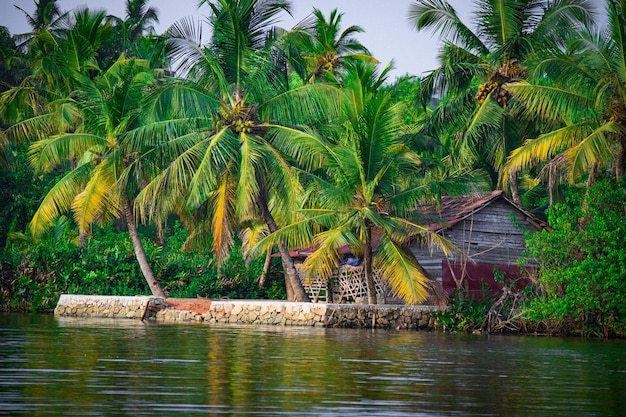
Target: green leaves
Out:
[582,282]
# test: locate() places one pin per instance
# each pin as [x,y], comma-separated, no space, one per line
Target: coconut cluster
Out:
[494,89]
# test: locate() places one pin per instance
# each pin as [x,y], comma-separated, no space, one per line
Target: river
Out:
[87,367]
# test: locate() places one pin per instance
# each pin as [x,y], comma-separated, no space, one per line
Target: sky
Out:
[388,34]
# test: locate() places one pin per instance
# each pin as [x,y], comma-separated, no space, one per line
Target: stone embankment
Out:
[264,312]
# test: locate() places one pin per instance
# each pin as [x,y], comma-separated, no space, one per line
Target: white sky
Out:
[387,35]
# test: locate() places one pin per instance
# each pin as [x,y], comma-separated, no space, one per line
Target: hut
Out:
[489,229]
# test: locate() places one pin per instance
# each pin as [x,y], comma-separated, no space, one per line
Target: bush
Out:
[33,276]
[582,262]
[463,313]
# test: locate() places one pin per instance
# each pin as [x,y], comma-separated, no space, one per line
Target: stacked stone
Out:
[380,317]
[107,306]
[252,312]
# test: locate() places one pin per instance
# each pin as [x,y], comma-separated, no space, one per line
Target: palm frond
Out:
[407,278]
[441,18]
[549,102]
[326,257]
[488,116]
[543,148]
[98,202]
[59,199]
[595,148]
[222,214]
[309,104]
[48,153]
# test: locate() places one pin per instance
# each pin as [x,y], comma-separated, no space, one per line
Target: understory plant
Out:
[32,276]
[581,287]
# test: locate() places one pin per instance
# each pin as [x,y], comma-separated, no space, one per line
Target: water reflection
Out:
[99,367]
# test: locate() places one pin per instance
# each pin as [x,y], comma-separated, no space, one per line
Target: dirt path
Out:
[197,305]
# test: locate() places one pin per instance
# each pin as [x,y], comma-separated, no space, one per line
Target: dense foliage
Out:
[582,262]
[135,162]
[33,275]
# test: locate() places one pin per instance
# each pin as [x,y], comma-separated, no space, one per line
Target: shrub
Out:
[32,276]
[582,264]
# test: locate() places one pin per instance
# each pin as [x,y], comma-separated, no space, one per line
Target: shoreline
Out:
[266,312]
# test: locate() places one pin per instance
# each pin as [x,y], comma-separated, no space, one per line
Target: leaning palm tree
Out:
[96,151]
[363,189]
[216,126]
[476,66]
[585,100]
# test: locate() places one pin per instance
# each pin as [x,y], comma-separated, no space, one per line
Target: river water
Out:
[85,367]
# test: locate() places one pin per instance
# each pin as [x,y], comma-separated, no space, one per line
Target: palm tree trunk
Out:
[593,175]
[82,239]
[160,233]
[620,160]
[140,253]
[295,290]
[369,273]
[514,186]
[266,268]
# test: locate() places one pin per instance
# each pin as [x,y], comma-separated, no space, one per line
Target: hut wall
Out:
[492,235]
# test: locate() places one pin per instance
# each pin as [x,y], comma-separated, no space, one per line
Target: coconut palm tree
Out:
[480,123]
[137,23]
[363,189]
[323,47]
[55,59]
[216,128]
[96,147]
[47,16]
[584,99]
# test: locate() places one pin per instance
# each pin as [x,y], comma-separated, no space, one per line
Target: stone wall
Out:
[139,307]
[262,312]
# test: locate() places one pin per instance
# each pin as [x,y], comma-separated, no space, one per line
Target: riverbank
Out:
[267,312]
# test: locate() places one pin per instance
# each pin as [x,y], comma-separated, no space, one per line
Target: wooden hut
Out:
[489,230]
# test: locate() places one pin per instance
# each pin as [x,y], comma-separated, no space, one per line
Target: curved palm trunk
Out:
[369,273]
[593,175]
[295,290]
[140,253]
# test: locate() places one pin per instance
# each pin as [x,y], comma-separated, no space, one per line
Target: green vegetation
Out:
[135,162]
[582,284]
[33,275]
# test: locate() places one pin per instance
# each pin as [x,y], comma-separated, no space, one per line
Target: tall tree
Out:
[496,53]
[585,99]
[324,47]
[216,127]
[47,16]
[364,188]
[137,24]
[94,188]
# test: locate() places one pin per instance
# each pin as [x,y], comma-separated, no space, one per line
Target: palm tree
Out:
[138,22]
[364,187]
[47,17]
[217,125]
[584,99]
[55,59]
[98,152]
[323,48]
[496,53]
